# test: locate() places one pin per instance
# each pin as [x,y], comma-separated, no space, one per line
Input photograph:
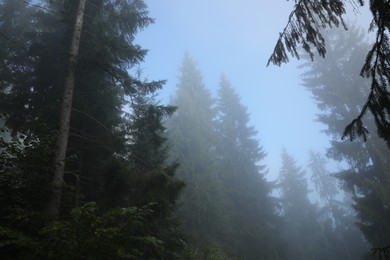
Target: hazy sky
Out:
[236,38]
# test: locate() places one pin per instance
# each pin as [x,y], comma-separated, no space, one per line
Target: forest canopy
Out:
[94,166]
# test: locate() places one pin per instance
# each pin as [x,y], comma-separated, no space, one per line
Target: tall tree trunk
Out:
[53,206]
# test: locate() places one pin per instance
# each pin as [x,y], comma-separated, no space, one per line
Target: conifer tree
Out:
[301,227]
[324,183]
[192,135]
[336,217]
[304,29]
[119,192]
[53,207]
[338,92]
[253,223]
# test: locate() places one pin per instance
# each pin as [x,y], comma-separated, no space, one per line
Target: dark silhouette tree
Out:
[119,191]
[305,28]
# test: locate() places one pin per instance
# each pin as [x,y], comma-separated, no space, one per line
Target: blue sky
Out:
[236,38]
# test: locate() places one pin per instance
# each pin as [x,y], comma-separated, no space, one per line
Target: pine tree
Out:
[336,218]
[301,226]
[254,225]
[193,139]
[367,175]
[324,183]
[117,201]
[53,207]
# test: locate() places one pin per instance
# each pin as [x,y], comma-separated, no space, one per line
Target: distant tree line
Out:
[229,206]
[226,204]
[144,180]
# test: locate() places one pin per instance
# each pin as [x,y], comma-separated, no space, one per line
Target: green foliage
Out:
[24,165]
[116,155]
[118,233]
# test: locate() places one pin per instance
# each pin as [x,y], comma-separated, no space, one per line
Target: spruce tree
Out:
[193,139]
[119,191]
[336,217]
[253,222]
[366,177]
[305,30]
[301,226]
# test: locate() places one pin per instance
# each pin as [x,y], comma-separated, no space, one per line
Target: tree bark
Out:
[53,206]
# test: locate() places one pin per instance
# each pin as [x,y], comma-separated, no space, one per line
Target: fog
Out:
[236,39]
[160,130]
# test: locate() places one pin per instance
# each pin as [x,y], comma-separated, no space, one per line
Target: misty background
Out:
[236,39]
[180,143]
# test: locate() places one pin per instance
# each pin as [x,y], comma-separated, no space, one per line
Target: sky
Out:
[236,38]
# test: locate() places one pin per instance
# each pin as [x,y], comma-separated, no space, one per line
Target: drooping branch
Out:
[376,67]
[304,27]
[303,30]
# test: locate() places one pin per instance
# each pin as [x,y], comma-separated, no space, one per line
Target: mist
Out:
[236,39]
[181,141]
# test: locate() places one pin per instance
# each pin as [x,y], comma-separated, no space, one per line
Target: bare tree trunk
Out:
[66,108]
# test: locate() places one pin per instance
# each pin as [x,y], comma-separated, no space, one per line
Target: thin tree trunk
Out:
[66,108]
